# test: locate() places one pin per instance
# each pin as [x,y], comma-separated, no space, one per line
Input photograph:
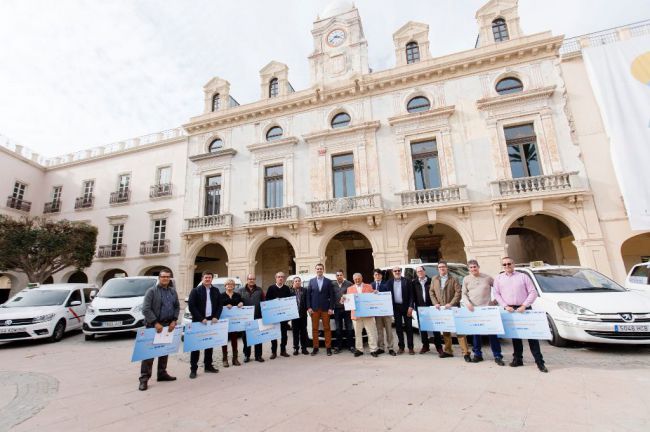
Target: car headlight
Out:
[573,309]
[43,318]
[137,309]
[90,310]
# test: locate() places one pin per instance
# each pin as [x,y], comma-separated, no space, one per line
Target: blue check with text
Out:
[199,336]
[440,320]
[278,310]
[256,336]
[373,304]
[238,317]
[485,320]
[144,347]
[531,324]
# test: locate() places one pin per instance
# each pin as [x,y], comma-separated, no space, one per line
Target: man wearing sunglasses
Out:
[515,292]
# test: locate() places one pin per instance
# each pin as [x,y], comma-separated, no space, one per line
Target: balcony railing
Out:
[160,190]
[202,223]
[119,197]
[434,197]
[345,205]
[544,184]
[154,247]
[84,202]
[19,204]
[111,251]
[270,215]
[52,207]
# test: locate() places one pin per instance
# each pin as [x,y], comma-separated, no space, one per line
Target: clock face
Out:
[336,37]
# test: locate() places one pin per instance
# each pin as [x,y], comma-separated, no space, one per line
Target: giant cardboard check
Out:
[484,320]
[440,320]
[372,305]
[144,347]
[238,317]
[530,324]
[278,310]
[199,336]
[256,336]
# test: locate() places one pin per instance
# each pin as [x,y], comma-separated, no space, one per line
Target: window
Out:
[412,52]
[522,150]
[212,195]
[274,88]
[500,30]
[159,230]
[19,191]
[340,120]
[426,168]
[75,296]
[273,178]
[418,104]
[56,193]
[509,85]
[124,181]
[215,145]
[216,102]
[275,133]
[116,240]
[343,175]
[88,187]
[164,175]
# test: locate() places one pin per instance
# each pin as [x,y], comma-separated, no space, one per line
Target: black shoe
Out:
[314,351]
[337,351]
[374,353]
[211,369]
[329,351]
[273,356]
[445,355]
[477,359]
[424,350]
[358,353]
[192,374]
[380,351]
[259,359]
[499,361]
[393,353]
[143,386]
[247,359]
[166,377]
[284,354]
[295,351]
[542,367]
[305,352]
[352,350]
[516,363]
[467,358]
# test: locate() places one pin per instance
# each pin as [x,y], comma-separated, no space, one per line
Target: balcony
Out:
[160,190]
[273,215]
[436,197]
[120,197]
[524,187]
[153,247]
[209,223]
[84,202]
[111,251]
[19,204]
[361,204]
[52,207]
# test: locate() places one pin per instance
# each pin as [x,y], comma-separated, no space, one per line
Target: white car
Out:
[585,306]
[47,311]
[217,283]
[639,278]
[117,307]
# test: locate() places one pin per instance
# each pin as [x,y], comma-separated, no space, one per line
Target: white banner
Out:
[620,77]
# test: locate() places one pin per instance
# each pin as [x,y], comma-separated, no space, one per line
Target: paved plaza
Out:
[79,385]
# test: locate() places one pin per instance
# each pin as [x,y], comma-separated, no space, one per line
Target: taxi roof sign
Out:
[537,263]
[33,285]
[415,261]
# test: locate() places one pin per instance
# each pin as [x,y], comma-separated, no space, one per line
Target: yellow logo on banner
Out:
[641,68]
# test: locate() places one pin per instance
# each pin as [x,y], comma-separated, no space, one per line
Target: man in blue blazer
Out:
[320,305]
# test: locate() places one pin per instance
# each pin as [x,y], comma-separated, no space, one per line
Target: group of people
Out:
[323,298]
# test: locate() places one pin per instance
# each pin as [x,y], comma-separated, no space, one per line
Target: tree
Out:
[40,247]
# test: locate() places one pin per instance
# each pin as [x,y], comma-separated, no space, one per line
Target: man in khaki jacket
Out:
[445,292]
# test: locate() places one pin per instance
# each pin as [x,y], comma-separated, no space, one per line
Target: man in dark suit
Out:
[421,298]
[320,305]
[279,290]
[204,305]
[402,293]
[299,325]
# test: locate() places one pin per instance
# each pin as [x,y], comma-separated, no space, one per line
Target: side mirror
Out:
[75,303]
[93,294]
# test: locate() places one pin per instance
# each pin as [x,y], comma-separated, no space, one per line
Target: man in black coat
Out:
[279,290]
[299,325]
[204,305]
[402,293]
[422,298]
[320,305]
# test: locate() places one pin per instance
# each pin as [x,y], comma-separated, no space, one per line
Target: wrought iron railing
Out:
[111,250]
[87,201]
[154,247]
[19,204]
[160,190]
[121,196]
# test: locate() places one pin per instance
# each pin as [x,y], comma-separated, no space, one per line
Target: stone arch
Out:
[327,237]
[8,284]
[432,242]
[562,214]
[107,274]
[350,249]
[453,222]
[415,93]
[153,270]
[280,257]
[634,249]
[261,237]
[77,277]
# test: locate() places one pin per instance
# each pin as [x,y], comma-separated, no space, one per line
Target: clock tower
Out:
[340,47]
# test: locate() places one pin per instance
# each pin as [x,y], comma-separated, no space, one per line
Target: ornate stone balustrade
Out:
[340,206]
[271,215]
[434,197]
[206,223]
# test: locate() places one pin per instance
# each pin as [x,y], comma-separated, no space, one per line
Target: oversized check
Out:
[530,324]
[484,320]
[278,310]
[199,336]
[144,347]
[372,305]
[238,317]
[432,319]
[256,336]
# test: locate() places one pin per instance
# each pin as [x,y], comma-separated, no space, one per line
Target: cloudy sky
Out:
[80,73]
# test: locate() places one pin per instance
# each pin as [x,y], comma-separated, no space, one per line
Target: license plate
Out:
[12,330]
[628,328]
[111,323]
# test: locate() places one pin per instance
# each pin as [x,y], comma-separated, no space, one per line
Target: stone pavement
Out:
[77,385]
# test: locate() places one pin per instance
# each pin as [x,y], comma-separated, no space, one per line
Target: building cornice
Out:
[214,155]
[17,155]
[289,141]
[515,98]
[445,111]
[350,130]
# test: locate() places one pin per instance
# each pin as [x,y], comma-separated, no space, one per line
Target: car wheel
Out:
[58,332]
[557,340]
[89,337]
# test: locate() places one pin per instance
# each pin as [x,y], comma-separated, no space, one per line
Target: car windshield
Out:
[123,288]
[572,280]
[38,298]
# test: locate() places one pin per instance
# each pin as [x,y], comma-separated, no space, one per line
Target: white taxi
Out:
[47,311]
[639,278]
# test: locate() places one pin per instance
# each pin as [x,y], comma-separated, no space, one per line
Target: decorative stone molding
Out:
[411,32]
[214,155]
[525,101]
[216,86]
[505,9]
[279,71]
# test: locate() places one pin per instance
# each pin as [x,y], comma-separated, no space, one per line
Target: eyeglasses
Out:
[397,271]
[507,264]
[164,277]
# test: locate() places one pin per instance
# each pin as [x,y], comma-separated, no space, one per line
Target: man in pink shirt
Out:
[515,292]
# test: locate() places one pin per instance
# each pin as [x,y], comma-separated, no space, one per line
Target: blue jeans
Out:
[495,345]
[342,316]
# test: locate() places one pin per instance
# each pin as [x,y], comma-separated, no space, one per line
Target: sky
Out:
[75,74]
